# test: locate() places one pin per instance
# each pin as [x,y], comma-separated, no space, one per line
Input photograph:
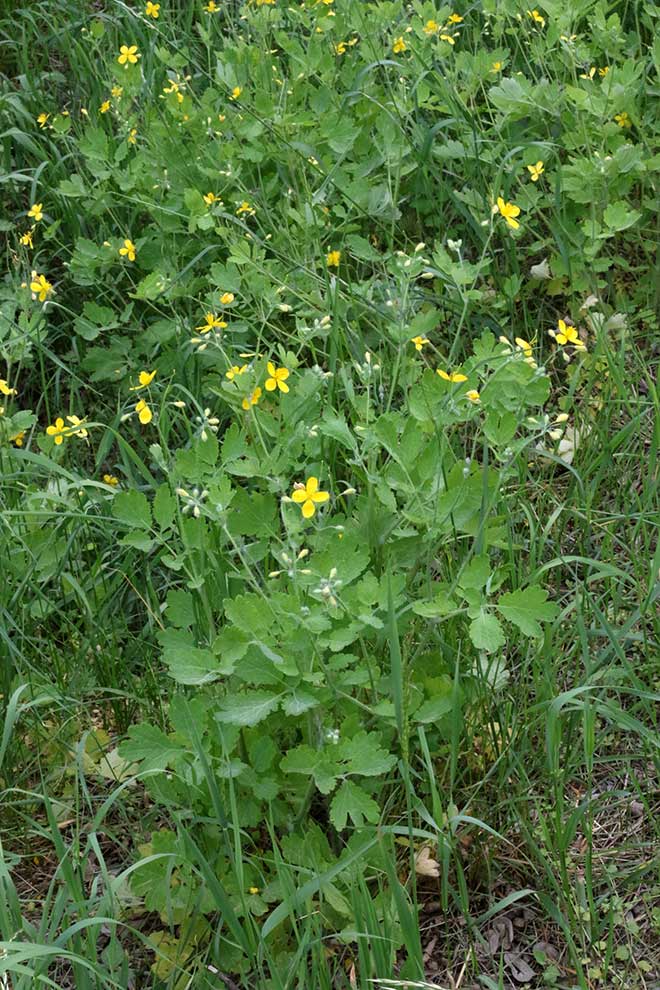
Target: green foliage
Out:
[324,302]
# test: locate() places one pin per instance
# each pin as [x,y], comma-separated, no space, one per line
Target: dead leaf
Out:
[425,865]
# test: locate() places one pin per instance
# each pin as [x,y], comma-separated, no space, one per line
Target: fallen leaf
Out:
[425,865]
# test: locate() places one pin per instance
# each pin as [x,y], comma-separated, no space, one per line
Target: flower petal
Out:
[299,495]
[312,485]
[308,509]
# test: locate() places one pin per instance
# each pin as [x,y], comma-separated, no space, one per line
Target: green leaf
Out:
[314,763]
[486,632]
[180,610]
[164,507]
[476,574]
[350,801]
[132,508]
[435,708]
[149,745]
[247,709]
[527,608]
[364,755]
[188,664]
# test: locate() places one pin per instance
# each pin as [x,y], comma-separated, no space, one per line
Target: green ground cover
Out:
[328,495]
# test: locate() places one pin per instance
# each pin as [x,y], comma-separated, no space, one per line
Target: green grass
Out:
[413,739]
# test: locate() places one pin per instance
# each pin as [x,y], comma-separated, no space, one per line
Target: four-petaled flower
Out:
[132,135]
[145,414]
[535,171]
[5,389]
[36,211]
[213,322]
[152,9]
[567,334]
[333,258]
[419,342]
[227,298]
[235,370]
[399,45]
[473,395]
[496,67]
[75,422]
[454,19]
[245,208]
[536,17]
[454,376]
[26,238]
[236,92]
[128,250]
[145,378]
[622,119]
[308,496]
[524,346]
[211,7]
[210,198]
[509,211]
[42,119]
[116,92]
[110,479]
[431,27]
[58,431]
[40,286]
[128,55]
[105,106]
[448,38]
[278,377]
[251,400]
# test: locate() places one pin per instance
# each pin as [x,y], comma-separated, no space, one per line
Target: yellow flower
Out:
[590,74]
[333,258]
[128,55]
[234,371]
[245,208]
[26,238]
[36,211]
[622,119]
[454,19]
[419,342]
[211,198]
[253,890]
[128,250]
[431,27]
[496,67]
[524,346]
[236,92]
[473,395]
[340,48]
[211,7]
[145,414]
[18,439]
[535,171]
[105,106]
[509,211]
[399,45]
[132,135]
[116,92]
[42,119]
[213,322]
[40,286]
[5,389]
[603,72]
[152,9]
[261,3]
[448,38]
[536,17]
[278,377]
[454,376]
[227,298]
[145,378]
[58,431]
[567,334]
[110,479]
[308,496]
[252,399]
[81,432]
